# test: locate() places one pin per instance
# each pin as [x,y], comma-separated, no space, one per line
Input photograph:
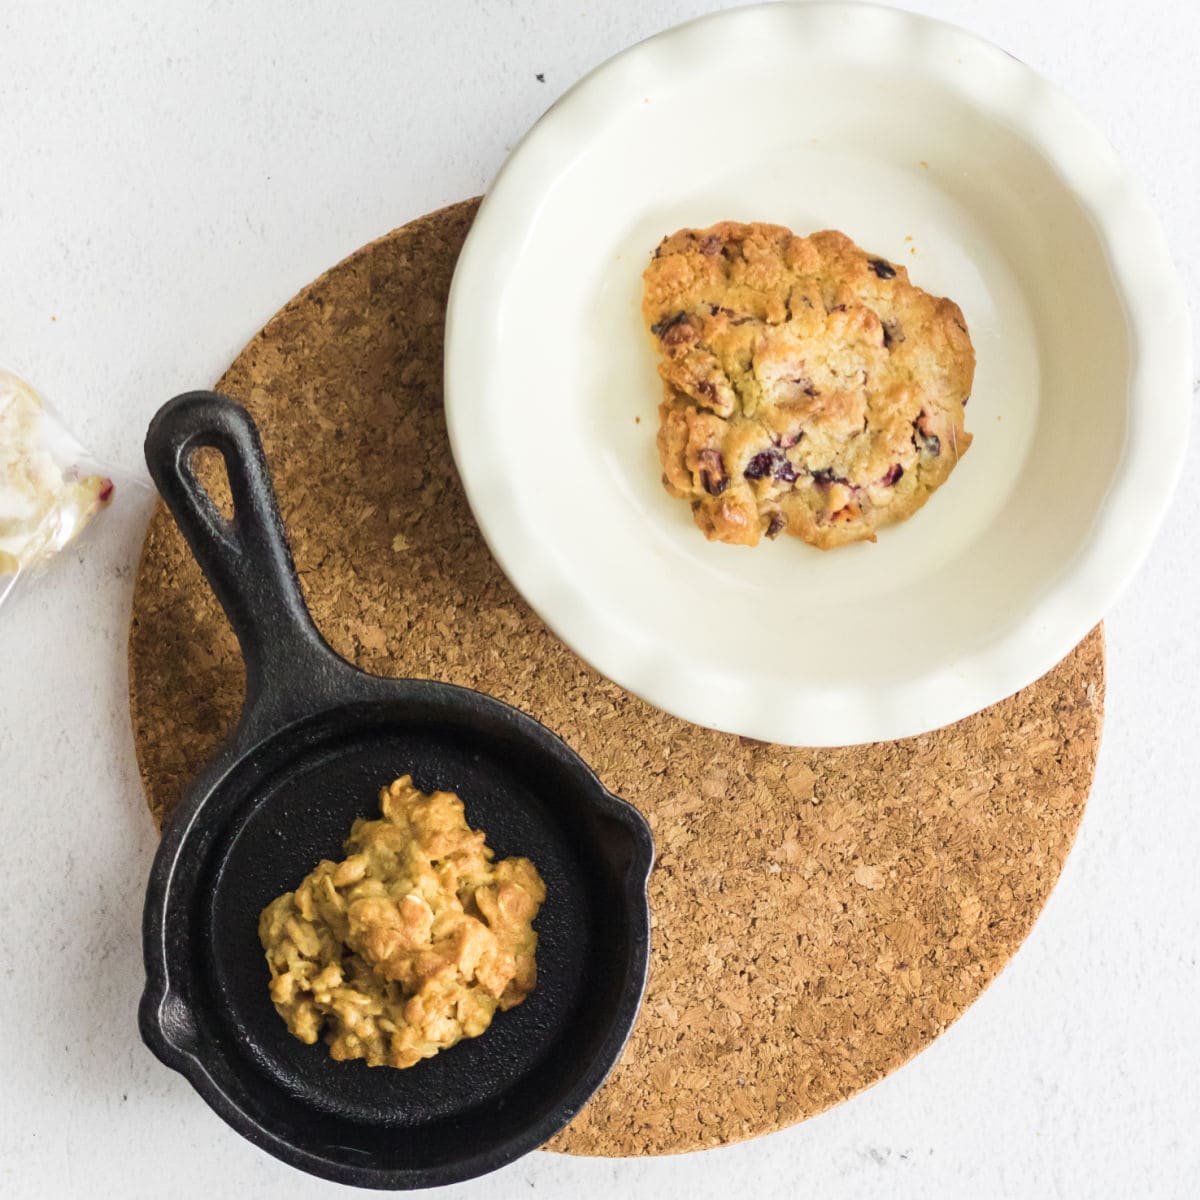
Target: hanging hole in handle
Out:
[212,473]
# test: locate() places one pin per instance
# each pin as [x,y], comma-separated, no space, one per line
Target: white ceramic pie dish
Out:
[931,148]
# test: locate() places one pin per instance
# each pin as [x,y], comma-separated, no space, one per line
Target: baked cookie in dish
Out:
[808,387]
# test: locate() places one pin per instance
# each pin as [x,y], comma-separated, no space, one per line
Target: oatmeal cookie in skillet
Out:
[808,387]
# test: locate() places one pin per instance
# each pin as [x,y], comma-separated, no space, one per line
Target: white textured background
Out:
[170,174]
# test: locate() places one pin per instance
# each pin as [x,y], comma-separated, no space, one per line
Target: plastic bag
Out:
[50,488]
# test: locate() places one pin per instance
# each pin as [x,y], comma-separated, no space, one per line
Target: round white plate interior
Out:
[931,148]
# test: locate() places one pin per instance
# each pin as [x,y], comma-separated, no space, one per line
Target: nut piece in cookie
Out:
[808,386]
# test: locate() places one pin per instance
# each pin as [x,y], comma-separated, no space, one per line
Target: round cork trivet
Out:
[819,915]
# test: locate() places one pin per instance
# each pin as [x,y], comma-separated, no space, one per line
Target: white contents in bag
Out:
[47,493]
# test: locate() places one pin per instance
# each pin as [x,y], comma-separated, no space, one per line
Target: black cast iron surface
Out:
[316,741]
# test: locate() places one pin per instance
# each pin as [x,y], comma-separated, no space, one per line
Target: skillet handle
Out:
[246,560]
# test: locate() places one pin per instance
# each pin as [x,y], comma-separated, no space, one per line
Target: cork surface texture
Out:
[819,915]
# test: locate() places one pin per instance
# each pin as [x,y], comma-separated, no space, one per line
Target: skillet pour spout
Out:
[316,741]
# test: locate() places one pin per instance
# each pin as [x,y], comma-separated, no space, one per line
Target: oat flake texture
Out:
[819,915]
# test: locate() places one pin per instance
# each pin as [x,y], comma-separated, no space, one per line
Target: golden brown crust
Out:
[808,387]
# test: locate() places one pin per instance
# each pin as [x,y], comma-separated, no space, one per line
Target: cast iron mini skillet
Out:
[316,741]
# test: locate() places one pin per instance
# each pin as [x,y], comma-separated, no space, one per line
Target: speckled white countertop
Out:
[170,174]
